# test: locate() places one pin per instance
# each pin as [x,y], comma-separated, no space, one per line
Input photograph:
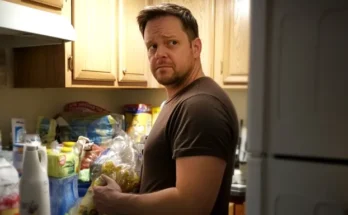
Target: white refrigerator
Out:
[298,108]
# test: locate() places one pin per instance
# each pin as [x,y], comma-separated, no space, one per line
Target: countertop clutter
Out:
[78,145]
[83,141]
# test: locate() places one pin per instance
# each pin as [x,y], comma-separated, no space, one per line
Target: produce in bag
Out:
[120,162]
[88,153]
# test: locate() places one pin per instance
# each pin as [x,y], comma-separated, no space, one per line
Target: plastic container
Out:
[62,162]
[82,188]
[63,194]
[138,119]
[17,157]
[33,186]
[155,113]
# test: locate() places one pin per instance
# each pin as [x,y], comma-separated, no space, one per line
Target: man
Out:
[189,154]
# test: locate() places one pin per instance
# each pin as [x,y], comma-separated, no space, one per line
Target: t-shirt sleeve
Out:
[201,125]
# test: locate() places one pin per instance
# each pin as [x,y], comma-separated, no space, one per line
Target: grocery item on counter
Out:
[9,191]
[87,153]
[155,112]
[32,139]
[83,106]
[119,162]
[138,120]
[63,194]
[62,162]
[35,181]
[18,130]
[98,127]
[17,157]
[8,155]
[18,149]
[90,153]
[46,128]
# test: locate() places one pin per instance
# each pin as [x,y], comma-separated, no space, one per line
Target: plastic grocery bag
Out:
[120,161]
[9,189]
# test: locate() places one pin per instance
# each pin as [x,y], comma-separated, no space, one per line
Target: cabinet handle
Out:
[222,67]
[124,71]
[70,63]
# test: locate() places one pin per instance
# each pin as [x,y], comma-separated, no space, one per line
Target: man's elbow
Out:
[196,205]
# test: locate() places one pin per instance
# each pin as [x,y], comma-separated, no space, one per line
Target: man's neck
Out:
[194,75]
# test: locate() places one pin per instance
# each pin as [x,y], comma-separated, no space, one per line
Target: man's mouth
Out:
[160,67]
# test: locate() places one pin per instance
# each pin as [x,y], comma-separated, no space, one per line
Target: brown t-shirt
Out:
[199,120]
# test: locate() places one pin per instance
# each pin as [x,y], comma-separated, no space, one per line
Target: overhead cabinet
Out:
[109,51]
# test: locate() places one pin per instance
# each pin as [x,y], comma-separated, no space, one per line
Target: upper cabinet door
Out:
[133,65]
[236,42]
[53,6]
[51,3]
[94,48]
[204,12]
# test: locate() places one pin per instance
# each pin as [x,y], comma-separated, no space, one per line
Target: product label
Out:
[62,160]
[30,207]
[9,212]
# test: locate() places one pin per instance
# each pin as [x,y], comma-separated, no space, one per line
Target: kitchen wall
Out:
[31,103]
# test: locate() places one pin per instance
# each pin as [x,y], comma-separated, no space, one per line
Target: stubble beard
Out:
[175,79]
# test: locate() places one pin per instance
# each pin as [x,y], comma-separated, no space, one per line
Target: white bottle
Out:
[34,185]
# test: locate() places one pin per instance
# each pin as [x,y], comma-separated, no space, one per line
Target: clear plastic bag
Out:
[120,161]
[9,189]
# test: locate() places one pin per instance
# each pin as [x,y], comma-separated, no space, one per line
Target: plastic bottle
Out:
[34,184]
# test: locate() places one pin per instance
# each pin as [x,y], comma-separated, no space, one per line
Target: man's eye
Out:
[152,47]
[173,42]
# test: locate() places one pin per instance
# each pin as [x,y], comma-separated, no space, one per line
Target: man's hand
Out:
[105,197]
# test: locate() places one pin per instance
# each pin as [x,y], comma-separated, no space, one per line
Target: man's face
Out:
[170,52]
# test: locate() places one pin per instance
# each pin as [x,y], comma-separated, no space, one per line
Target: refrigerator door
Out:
[303,188]
[255,189]
[298,78]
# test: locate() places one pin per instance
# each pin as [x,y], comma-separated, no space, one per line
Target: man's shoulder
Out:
[203,88]
[206,92]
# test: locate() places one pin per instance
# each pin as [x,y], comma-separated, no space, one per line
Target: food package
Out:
[138,120]
[98,127]
[82,106]
[62,162]
[88,153]
[120,162]
[46,128]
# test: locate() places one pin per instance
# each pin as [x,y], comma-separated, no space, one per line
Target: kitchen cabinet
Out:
[232,51]
[53,6]
[203,11]
[133,65]
[51,3]
[94,57]
[109,50]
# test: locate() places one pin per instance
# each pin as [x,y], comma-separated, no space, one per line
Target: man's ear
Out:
[196,45]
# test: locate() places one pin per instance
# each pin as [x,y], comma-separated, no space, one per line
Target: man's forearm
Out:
[168,201]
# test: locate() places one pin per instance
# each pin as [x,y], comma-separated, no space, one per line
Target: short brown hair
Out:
[188,21]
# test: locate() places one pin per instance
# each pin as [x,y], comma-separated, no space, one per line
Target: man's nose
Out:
[160,52]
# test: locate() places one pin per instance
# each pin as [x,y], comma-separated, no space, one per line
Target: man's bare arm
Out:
[198,180]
